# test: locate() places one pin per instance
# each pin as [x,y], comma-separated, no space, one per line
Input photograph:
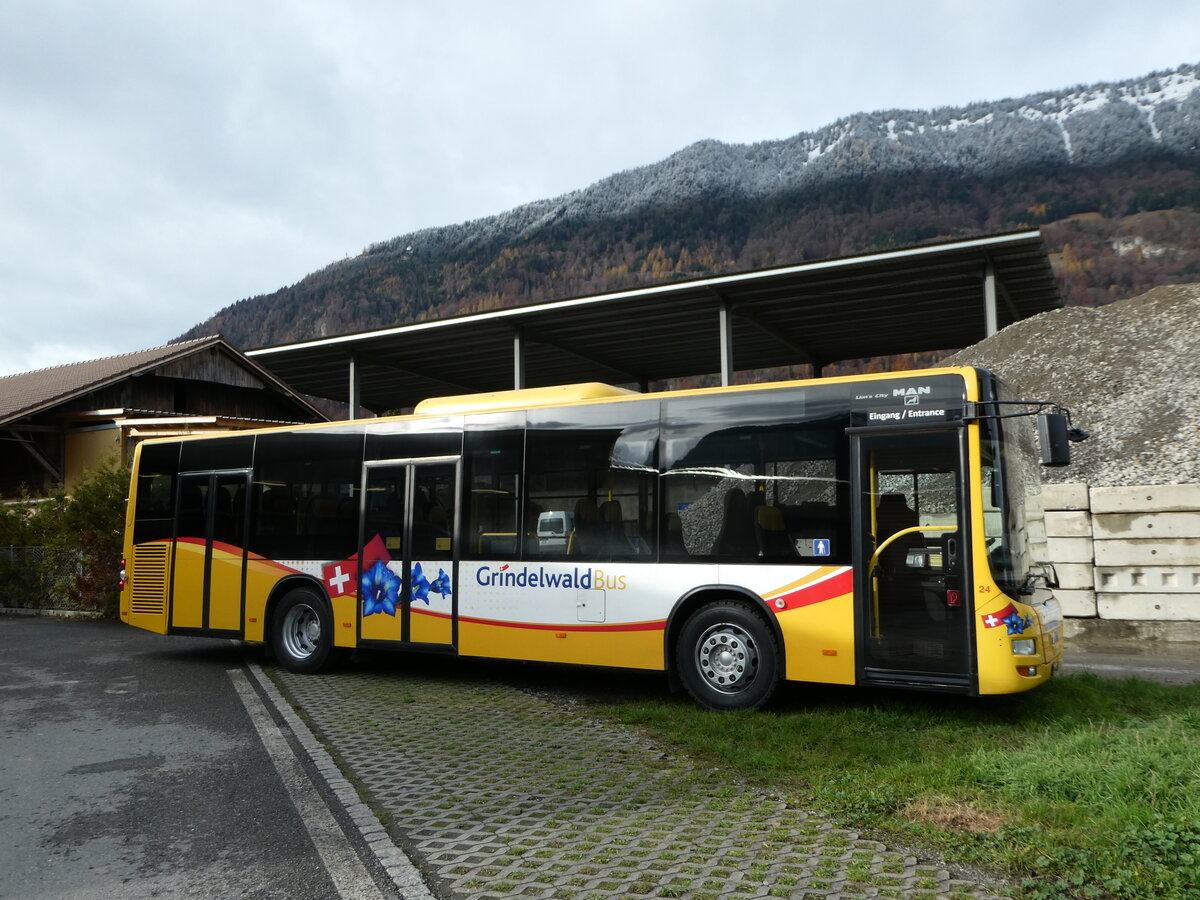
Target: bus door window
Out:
[384,510]
[915,619]
[433,512]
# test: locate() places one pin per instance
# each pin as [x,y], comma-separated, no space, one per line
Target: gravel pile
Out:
[1130,374]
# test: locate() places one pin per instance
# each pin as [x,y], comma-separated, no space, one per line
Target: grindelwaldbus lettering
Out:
[507,576]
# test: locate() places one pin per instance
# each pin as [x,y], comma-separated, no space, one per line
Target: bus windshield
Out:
[1012,508]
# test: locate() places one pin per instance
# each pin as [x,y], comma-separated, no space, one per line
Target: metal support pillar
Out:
[518,358]
[355,387]
[726,348]
[991,322]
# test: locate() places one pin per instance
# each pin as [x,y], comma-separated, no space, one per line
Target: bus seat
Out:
[612,525]
[770,532]
[587,535]
[736,538]
[673,545]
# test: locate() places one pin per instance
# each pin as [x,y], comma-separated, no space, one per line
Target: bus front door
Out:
[208,574]
[409,561]
[910,560]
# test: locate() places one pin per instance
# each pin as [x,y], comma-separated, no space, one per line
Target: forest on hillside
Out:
[1112,232]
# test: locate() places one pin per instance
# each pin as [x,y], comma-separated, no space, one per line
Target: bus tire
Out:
[727,657]
[302,632]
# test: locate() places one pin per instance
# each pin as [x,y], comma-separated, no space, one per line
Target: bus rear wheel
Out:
[302,632]
[727,656]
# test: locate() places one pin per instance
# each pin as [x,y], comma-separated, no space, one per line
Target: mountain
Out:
[1108,171]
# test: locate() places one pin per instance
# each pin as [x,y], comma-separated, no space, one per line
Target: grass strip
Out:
[1087,787]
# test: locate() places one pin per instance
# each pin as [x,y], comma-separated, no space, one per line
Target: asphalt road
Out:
[137,766]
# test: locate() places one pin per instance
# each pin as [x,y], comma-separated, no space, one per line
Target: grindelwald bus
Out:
[870,530]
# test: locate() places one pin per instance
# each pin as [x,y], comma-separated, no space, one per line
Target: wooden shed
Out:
[57,423]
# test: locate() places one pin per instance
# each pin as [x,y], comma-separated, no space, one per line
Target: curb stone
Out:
[399,867]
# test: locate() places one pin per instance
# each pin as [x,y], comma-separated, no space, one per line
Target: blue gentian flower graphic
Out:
[1017,623]
[420,584]
[441,584]
[381,587]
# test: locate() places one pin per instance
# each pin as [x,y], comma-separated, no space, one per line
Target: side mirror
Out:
[1054,438]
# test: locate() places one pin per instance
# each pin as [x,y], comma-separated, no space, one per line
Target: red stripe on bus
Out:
[836,586]
[534,626]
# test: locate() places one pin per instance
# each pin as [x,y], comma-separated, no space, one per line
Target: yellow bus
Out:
[872,530]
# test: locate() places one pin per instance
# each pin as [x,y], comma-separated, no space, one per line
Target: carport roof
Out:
[925,298]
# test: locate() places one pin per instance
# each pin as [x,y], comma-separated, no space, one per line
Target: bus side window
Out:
[765,490]
[155,504]
[301,482]
[493,453]
[590,482]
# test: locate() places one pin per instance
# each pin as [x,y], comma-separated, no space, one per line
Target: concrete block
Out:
[1161,607]
[1171,552]
[1035,531]
[1148,579]
[1060,497]
[1068,524]
[1069,550]
[1162,635]
[1146,525]
[1077,604]
[1065,496]
[1075,576]
[1150,498]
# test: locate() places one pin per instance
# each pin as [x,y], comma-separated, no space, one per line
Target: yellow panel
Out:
[633,649]
[429,629]
[261,577]
[381,627]
[820,641]
[225,591]
[345,609]
[187,601]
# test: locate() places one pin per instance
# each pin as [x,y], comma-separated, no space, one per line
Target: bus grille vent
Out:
[149,580]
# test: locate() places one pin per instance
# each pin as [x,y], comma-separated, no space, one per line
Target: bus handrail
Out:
[901,533]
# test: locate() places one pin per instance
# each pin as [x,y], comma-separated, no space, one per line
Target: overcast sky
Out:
[161,159]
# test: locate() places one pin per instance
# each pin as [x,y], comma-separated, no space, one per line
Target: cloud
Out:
[163,160]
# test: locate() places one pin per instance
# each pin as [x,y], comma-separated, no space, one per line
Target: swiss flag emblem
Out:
[993,620]
[342,578]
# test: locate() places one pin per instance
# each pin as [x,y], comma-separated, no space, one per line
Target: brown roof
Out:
[32,392]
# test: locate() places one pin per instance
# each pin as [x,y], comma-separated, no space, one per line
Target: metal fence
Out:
[39,577]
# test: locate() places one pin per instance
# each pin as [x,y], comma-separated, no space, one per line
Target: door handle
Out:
[951,552]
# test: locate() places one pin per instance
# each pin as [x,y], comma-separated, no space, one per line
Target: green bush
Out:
[66,550]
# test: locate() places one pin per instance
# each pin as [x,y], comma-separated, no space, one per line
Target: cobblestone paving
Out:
[501,792]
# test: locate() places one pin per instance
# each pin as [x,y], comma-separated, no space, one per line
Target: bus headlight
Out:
[1024,647]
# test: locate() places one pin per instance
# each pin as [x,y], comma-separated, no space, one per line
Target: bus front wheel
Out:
[302,636]
[727,656]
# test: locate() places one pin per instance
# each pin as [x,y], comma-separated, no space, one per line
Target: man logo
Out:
[911,391]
